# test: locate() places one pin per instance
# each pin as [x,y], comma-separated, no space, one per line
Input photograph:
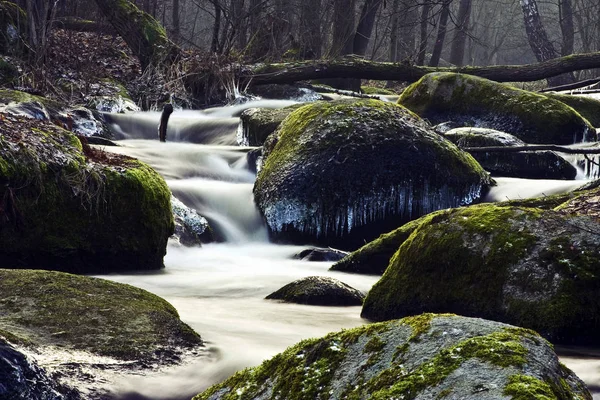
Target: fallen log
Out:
[354,67]
[516,149]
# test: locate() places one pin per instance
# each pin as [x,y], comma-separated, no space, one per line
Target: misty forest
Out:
[299,199]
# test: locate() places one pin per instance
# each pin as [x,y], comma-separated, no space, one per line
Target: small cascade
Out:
[588,165]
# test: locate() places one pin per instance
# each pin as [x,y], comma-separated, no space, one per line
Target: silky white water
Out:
[219,289]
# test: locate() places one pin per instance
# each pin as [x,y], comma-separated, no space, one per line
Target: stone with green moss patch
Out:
[529,267]
[62,210]
[588,107]
[478,102]
[342,173]
[90,314]
[443,355]
[258,123]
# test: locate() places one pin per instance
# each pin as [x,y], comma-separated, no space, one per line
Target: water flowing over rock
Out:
[422,357]
[68,209]
[532,165]
[481,103]
[319,291]
[190,227]
[529,267]
[342,173]
[22,379]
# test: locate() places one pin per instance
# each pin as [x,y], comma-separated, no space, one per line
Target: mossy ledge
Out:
[64,211]
[478,102]
[528,267]
[440,355]
[105,318]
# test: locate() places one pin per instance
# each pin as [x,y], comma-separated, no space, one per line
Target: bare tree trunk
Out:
[310,28]
[457,51]
[176,25]
[214,44]
[441,35]
[565,12]
[425,9]
[394,31]
[41,15]
[365,26]
[343,27]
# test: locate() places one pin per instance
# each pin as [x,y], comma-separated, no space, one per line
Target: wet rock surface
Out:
[319,291]
[422,357]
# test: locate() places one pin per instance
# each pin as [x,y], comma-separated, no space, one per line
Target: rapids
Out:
[219,289]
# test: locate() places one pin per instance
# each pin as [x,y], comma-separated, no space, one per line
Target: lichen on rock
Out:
[478,102]
[342,173]
[428,356]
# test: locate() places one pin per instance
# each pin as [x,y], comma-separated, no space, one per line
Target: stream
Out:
[219,289]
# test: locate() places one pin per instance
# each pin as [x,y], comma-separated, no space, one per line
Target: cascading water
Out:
[219,289]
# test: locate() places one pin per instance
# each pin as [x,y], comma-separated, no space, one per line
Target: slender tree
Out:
[441,35]
[365,26]
[424,32]
[457,51]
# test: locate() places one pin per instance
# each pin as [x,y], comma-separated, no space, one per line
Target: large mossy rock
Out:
[342,173]
[65,210]
[473,101]
[319,291]
[588,107]
[422,357]
[13,22]
[105,318]
[528,267]
[530,165]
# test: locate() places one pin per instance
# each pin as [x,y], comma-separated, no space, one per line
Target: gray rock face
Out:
[190,227]
[319,291]
[423,357]
[528,267]
[22,379]
[532,165]
[340,174]
[478,102]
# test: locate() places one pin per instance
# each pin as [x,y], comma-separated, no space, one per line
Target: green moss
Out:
[499,348]
[525,387]
[588,107]
[89,314]
[479,102]
[544,203]
[376,90]
[461,273]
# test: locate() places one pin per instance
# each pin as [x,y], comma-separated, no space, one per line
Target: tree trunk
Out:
[343,27]
[40,17]
[394,31]
[365,26]
[175,17]
[310,28]
[457,51]
[214,43]
[363,69]
[145,37]
[441,35]
[565,8]
[423,39]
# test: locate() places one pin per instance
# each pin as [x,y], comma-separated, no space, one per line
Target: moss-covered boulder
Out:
[528,267]
[13,23]
[258,123]
[588,107]
[422,357]
[531,165]
[319,291]
[478,102]
[342,173]
[68,210]
[43,308]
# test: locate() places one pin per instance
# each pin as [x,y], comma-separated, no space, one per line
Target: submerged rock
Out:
[529,267]
[478,102]
[531,165]
[319,291]
[22,379]
[423,357]
[82,212]
[340,174]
